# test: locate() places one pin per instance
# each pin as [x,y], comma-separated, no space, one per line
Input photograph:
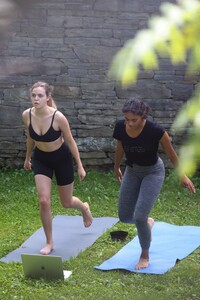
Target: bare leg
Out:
[46,219]
[69,201]
[43,185]
[87,216]
[144,257]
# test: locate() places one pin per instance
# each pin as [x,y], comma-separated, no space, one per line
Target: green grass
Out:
[19,218]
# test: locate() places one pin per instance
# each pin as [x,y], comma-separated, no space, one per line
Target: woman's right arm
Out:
[119,154]
[29,142]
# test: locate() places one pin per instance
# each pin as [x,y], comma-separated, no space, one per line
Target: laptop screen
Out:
[42,266]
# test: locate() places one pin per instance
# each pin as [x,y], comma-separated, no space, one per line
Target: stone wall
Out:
[70,44]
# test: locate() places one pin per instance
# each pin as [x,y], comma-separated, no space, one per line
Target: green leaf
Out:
[187,163]
[149,60]
[172,12]
[129,76]
[177,48]
[180,121]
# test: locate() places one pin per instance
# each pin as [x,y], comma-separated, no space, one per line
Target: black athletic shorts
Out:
[58,162]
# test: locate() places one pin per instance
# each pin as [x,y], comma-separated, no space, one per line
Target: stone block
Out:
[181,91]
[88,33]
[105,131]
[146,88]
[94,144]
[68,91]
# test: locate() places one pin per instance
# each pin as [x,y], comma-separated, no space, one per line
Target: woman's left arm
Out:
[67,135]
[172,155]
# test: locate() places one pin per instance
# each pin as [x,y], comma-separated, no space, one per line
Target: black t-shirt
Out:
[142,150]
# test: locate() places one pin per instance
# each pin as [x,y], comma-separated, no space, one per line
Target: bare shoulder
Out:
[26,112]
[62,122]
[60,116]
[25,115]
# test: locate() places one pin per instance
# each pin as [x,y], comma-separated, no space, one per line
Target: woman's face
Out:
[133,121]
[38,97]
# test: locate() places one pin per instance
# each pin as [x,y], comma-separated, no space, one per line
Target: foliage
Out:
[19,218]
[174,34]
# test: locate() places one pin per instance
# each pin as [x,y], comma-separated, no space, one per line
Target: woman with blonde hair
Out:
[50,139]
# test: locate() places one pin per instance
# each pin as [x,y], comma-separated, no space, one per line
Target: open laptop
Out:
[44,266]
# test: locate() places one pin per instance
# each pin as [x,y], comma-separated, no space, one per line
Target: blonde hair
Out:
[48,90]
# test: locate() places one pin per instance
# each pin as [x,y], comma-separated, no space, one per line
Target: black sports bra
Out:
[50,136]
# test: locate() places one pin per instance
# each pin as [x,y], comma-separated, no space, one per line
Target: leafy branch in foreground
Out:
[174,34]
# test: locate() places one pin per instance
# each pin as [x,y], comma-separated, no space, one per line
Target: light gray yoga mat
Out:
[69,234]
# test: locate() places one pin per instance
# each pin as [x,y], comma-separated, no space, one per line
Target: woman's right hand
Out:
[27,165]
[118,174]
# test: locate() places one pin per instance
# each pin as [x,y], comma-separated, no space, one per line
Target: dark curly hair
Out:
[137,107]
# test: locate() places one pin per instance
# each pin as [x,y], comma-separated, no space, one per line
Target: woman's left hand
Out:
[186,182]
[81,173]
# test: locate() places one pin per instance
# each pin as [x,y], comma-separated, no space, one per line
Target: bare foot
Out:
[142,263]
[87,216]
[144,258]
[47,249]
[151,223]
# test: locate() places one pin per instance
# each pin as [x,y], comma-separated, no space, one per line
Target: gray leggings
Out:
[139,189]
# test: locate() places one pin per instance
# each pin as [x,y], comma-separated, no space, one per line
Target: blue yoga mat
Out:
[69,234]
[170,243]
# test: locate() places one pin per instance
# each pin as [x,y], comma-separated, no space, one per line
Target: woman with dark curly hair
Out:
[138,139]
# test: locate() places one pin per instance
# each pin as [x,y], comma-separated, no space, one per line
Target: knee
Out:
[44,201]
[140,220]
[124,218]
